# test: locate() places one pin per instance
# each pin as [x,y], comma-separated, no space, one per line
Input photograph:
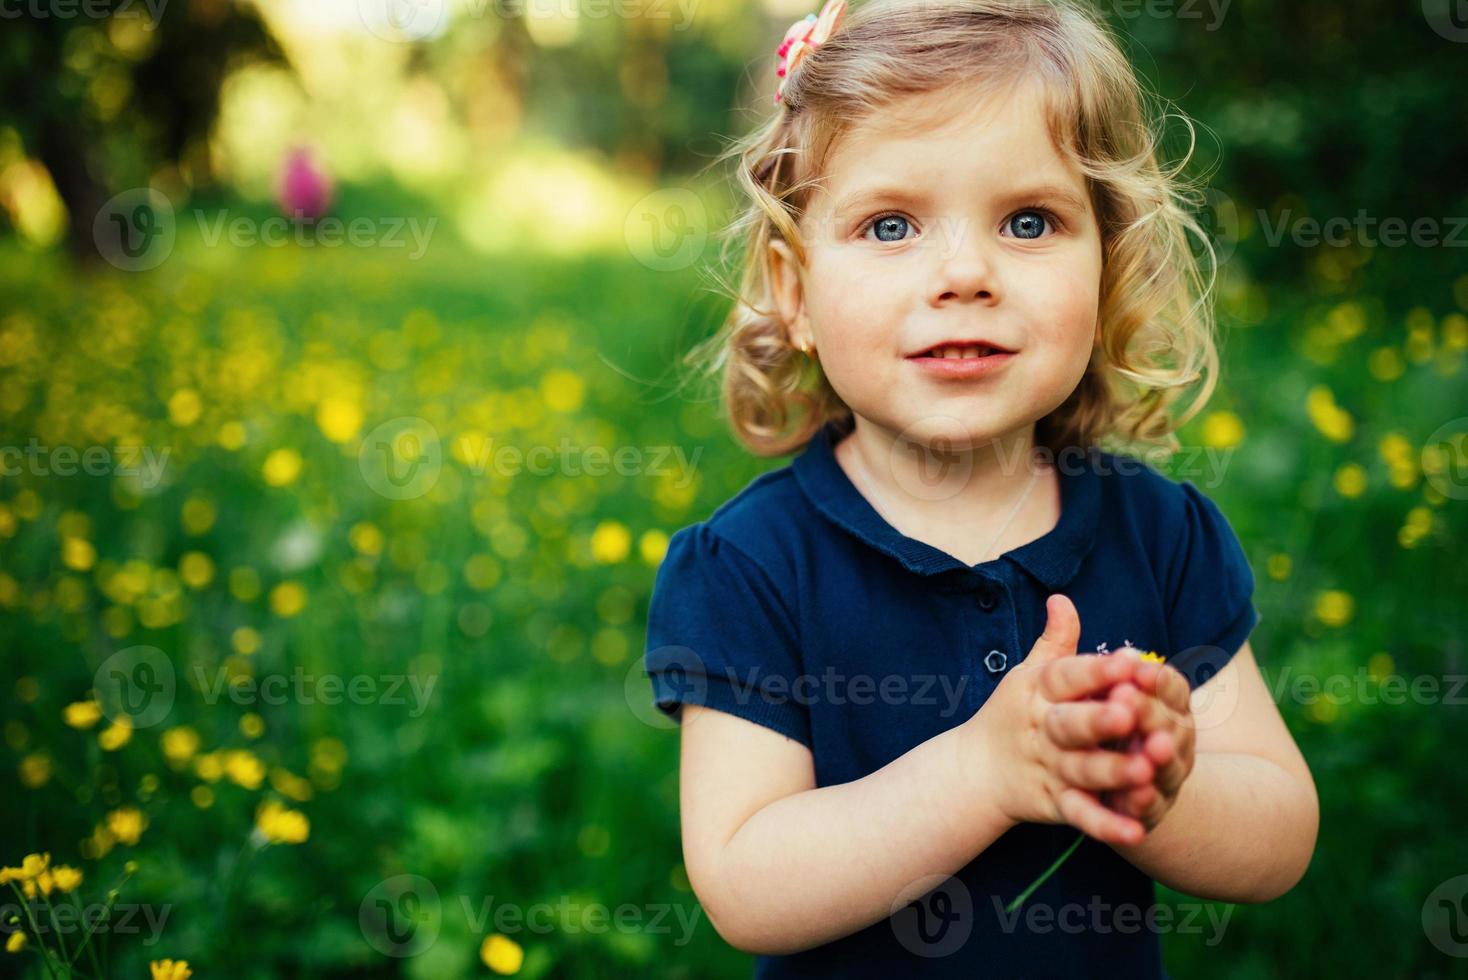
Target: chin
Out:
[951,428]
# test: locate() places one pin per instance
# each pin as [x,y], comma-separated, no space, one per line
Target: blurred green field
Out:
[525,774]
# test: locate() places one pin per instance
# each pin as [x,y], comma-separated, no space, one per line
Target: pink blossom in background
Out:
[305,188]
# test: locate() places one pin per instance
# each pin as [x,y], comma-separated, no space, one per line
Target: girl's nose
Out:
[964,269]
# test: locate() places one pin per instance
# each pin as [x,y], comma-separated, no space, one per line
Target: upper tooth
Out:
[973,351]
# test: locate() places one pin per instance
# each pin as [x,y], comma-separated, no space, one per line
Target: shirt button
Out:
[987,602]
[995,661]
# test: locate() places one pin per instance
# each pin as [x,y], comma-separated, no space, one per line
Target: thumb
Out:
[1062,630]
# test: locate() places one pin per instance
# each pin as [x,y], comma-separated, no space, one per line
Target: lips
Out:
[961,349]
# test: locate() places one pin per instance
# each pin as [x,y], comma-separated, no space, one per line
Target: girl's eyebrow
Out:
[872,195]
[1053,194]
[879,194]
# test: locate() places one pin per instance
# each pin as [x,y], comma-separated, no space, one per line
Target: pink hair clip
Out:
[803,37]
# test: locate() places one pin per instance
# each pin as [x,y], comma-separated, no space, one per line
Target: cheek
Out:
[1068,307]
[849,309]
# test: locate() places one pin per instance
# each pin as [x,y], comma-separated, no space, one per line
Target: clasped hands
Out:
[1101,742]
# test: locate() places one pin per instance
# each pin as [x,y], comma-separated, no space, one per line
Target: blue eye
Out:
[1029,224]
[893,225]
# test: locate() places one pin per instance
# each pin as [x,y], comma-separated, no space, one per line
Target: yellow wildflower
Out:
[35,770]
[196,569]
[282,467]
[30,866]
[179,745]
[243,768]
[82,714]
[231,435]
[281,825]
[652,546]
[170,969]
[501,954]
[185,407]
[1334,607]
[1350,480]
[15,942]
[563,391]
[127,824]
[78,554]
[66,878]
[209,766]
[1334,422]
[1222,430]
[116,735]
[245,640]
[610,542]
[287,599]
[338,418]
[198,515]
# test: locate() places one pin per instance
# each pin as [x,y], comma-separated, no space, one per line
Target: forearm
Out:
[1242,829]
[821,864]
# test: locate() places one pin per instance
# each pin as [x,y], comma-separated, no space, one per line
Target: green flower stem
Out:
[35,929]
[87,936]
[1019,900]
[60,939]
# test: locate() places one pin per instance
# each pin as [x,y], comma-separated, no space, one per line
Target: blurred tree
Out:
[103,92]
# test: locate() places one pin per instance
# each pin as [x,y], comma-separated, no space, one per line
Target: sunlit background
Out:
[342,436]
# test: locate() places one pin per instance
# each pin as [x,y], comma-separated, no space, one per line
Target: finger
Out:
[1084,812]
[1152,714]
[1101,769]
[1085,724]
[1167,682]
[1062,631]
[1161,747]
[1080,676]
[1135,801]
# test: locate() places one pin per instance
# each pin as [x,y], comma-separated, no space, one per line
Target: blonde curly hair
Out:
[1156,324]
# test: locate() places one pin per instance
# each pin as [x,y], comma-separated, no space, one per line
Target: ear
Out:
[788,293]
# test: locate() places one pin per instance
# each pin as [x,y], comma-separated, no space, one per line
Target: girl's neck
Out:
[955,499]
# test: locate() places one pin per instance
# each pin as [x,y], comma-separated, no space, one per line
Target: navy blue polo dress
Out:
[795,605]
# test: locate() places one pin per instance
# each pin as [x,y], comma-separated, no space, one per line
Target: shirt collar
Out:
[1052,559]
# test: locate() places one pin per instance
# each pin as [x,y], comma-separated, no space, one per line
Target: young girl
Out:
[965,269]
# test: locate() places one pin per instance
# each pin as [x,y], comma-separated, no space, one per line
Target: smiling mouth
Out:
[956,353]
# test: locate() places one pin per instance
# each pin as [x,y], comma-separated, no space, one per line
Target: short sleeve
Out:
[1210,591]
[720,634]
